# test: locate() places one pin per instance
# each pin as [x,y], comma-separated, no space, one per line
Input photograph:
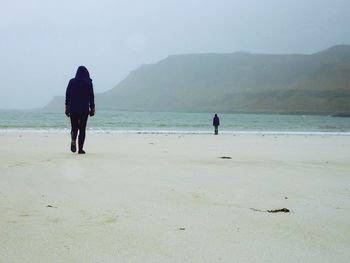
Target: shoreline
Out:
[106,131]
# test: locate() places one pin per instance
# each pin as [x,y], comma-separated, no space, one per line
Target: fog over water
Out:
[43,42]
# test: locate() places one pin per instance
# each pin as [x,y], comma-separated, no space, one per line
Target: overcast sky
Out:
[42,42]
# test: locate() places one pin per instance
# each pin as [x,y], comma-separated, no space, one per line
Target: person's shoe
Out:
[73,147]
[81,152]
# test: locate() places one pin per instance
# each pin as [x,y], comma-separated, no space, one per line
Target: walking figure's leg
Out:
[74,131]
[82,132]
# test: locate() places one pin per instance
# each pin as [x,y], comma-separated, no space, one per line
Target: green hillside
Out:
[237,82]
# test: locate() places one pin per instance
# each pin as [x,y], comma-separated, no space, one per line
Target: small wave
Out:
[107,131]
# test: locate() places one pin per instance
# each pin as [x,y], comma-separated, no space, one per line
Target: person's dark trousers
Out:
[78,122]
[216,130]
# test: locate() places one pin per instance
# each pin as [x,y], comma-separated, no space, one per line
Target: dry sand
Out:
[169,198]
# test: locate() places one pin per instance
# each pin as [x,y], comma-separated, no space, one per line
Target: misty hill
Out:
[239,82]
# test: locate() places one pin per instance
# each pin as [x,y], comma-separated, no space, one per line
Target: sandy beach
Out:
[171,198]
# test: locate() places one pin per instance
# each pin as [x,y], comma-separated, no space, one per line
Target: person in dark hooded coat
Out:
[79,105]
[216,124]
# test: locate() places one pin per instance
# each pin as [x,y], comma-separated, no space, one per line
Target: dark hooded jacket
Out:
[216,120]
[80,93]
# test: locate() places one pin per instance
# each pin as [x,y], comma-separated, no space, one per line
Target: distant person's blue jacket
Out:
[80,93]
[216,120]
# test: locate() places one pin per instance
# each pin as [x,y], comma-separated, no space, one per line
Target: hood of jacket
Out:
[82,73]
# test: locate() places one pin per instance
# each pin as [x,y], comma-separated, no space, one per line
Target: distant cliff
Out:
[239,82]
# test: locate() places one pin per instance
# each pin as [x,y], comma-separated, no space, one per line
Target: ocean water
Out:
[167,122]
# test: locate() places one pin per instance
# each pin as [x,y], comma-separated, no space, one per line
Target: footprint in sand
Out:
[24,215]
[54,220]
[100,219]
[17,164]
[203,200]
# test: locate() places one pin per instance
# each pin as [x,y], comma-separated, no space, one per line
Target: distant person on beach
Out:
[216,124]
[79,105]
